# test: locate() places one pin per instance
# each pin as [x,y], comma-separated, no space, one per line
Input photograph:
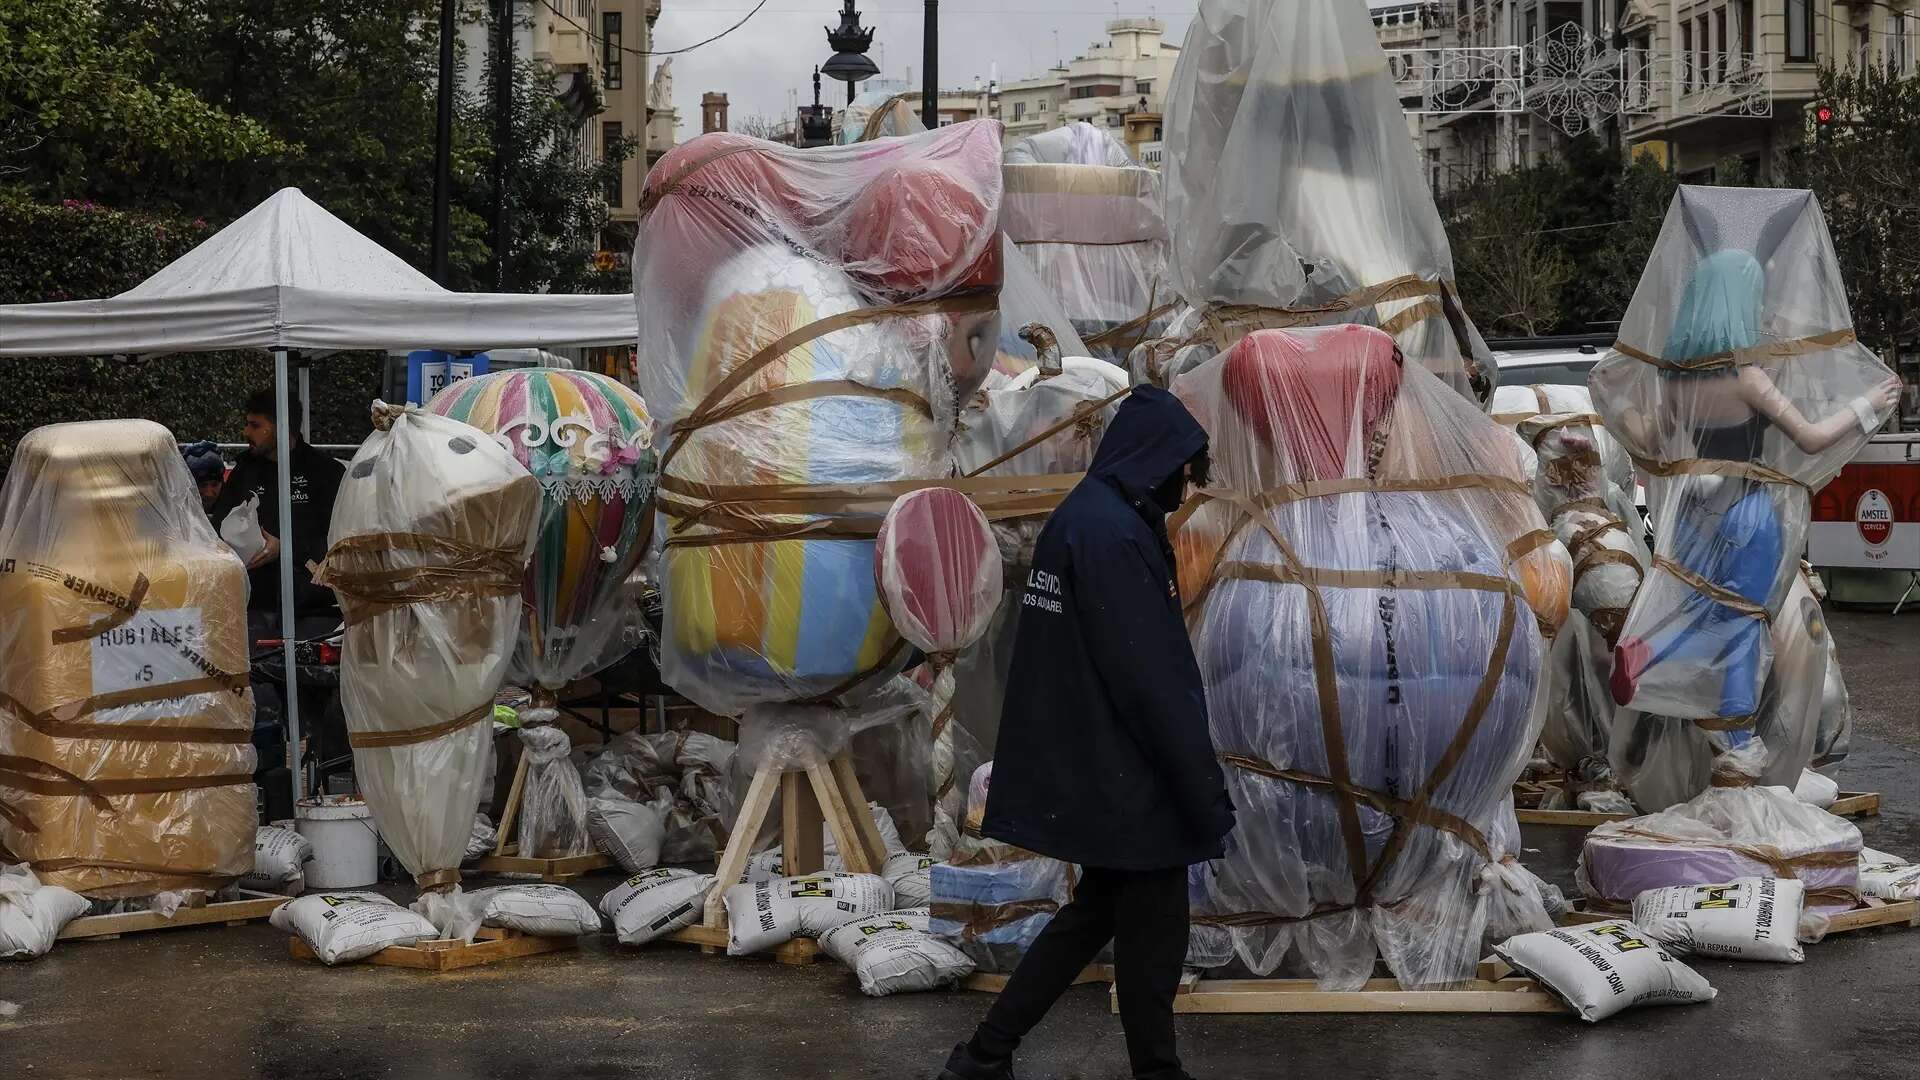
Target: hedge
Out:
[76,251]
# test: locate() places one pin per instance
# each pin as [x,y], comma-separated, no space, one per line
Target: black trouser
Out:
[1144,914]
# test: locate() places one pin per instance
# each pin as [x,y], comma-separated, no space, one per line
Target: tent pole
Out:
[283,459]
[306,402]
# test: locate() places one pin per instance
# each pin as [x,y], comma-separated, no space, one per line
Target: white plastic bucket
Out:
[345,843]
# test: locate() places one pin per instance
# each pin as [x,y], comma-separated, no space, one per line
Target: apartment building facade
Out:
[1118,85]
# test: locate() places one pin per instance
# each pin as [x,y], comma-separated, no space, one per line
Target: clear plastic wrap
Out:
[588,441]
[553,801]
[1738,386]
[126,717]
[810,321]
[1294,195]
[33,914]
[1090,220]
[1723,834]
[1366,582]
[1833,740]
[427,550]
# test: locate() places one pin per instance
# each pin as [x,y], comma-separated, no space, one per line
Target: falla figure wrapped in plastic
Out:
[1368,585]
[1739,387]
[1295,198]
[810,322]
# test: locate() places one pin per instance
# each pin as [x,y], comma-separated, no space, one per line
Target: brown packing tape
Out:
[1726,598]
[1226,324]
[437,879]
[1773,350]
[1539,425]
[978,919]
[751,514]
[123,608]
[1716,467]
[1132,327]
[98,790]
[469,571]
[1386,804]
[375,740]
[1072,419]
[1727,723]
[1266,918]
[62,721]
[1782,864]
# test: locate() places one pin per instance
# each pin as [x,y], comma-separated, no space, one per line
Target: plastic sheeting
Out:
[430,537]
[588,441]
[1090,219]
[126,720]
[553,803]
[1292,187]
[1361,583]
[683,775]
[1739,386]
[810,320]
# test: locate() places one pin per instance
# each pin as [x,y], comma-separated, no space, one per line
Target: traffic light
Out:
[1823,119]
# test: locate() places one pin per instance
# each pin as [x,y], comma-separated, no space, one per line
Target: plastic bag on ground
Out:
[683,775]
[344,926]
[241,530]
[1816,790]
[891,955]
[630,833]
[428,544]
[1720,835]
[769,914]
[1888,877]
[1603,968]
[652,905]
[1739,386]
[1434,576]
[455,913]
[540,910]
[482,838]
[280,857]
[1752,918]
[121,590]
[553,804]
[31,914]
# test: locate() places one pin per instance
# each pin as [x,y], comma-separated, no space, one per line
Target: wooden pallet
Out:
[992,983]
[713,940]
[254,906]
[1496,988]
[508,861]
[1850,804]
[1872,912]
[488,946]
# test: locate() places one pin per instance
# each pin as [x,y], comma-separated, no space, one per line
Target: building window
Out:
[1097,90]
[1800,30]
[1703,59]
[1019,111]
[1044,105]
[610,53]
[609,141]
[1533,25]
[1686,57]
[1143,86]
[1898,55]
[1746,30]
[1720,39]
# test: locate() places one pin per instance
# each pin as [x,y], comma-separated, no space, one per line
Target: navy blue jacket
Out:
[1104,757]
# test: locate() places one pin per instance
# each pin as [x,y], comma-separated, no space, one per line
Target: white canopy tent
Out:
[290,276]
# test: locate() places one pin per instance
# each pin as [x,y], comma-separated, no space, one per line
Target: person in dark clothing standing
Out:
[316,481]
[1104,757]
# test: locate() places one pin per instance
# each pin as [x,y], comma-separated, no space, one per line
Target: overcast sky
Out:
[777,49]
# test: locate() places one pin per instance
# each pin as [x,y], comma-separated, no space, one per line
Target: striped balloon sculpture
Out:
[588,440]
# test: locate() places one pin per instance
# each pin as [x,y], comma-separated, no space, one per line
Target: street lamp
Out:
[850,41]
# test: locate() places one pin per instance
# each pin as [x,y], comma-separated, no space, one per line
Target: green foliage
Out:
[1505,261]
[82,251]
[1864,171]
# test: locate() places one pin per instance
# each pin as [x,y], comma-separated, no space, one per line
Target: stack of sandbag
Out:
[767,914]
[1366,581]
[1721,835]
[1602,968]
[1739,387]
[1888,877]
[32,914]
[894,953]
[280,858]
[680,775]
[1294,197]
[1089,218]
[654,904]
[1749,918]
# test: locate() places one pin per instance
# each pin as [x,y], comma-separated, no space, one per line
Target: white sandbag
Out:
[628,832]
[1603,968]
[344,926]
[1888,877]
[280,857]
[540,910]
[1752,918]
[656,903]
[911,878]
[891,955]
[763,866]
[241,530]
[1816,790]
[484,837]
[768,914]
[31,914]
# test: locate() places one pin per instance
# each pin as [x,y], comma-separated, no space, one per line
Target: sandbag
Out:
[1753,918]
[1888,877]
[890,955]
[768,914]
[31,914]
[1603,968]
[630,833]
[344,926]
[654,904]
[911,876]
[280,857]
[540,910]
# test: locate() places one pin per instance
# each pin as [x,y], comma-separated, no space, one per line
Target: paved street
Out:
[230,1003]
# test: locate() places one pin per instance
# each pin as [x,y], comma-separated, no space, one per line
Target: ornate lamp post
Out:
[850,41]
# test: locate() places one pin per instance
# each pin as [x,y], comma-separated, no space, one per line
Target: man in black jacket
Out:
[1104,759]
[316,482]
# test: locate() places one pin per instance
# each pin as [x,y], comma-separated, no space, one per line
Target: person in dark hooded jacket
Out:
[1104,757]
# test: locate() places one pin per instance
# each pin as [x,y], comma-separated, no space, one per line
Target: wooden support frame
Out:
[827,794]
[506,858]
[988,982]
[1850,804]
[1496,988]
[488,946]
[253,906]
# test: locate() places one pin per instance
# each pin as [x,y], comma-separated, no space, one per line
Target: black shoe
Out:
[962,1065]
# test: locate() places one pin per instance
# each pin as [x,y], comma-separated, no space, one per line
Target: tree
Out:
[1509,270]
[1863,170]
[83,106]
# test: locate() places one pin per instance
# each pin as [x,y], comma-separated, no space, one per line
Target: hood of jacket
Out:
[1151,439]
